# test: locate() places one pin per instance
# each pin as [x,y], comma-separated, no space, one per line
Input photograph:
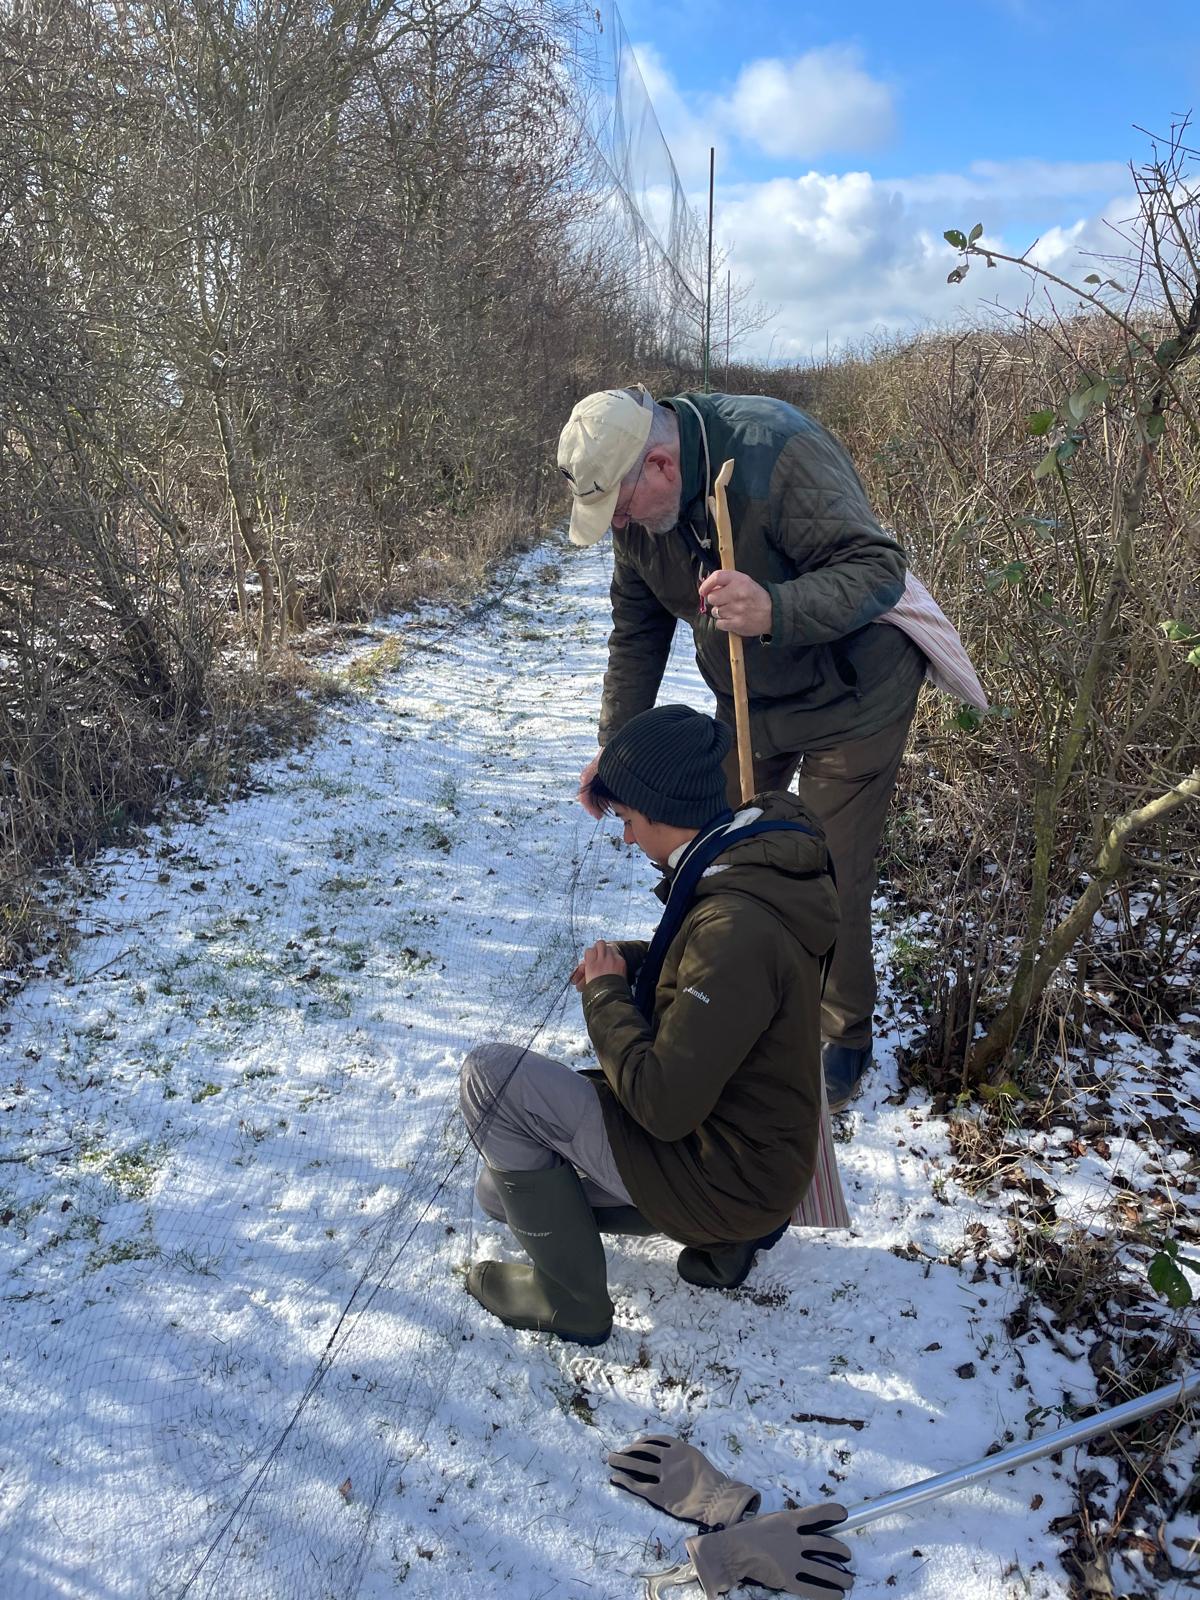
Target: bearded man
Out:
[831,696]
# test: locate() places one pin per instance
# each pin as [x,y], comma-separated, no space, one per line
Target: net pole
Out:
[728,300]
[712,164]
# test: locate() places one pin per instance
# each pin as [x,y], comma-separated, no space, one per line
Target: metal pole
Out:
[728,295]
[712,167]
[1020,1455]
[966,1477]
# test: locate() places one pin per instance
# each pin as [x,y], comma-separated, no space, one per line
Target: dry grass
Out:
[85,759]
[999,820]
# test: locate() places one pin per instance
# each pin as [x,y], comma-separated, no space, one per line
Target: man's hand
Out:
[585,778]
[737,604]
[599,961]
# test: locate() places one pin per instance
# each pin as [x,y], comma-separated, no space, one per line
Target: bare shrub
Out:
[292,303]
[1045,476]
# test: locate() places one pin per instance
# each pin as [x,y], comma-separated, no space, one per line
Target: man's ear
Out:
[665,462]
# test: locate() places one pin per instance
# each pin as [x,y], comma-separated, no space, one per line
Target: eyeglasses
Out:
[622,510]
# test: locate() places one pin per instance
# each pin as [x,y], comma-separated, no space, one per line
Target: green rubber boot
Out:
[565,1291]
[623,1219]
[724,1266]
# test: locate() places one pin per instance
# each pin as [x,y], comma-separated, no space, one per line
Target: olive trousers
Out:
[848,790]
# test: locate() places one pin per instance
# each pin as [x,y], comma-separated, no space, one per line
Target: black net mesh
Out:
[639,222]
[238,1192]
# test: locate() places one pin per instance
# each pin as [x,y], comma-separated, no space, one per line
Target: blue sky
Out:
[849,137]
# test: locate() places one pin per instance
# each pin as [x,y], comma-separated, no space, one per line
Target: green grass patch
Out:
[371,668]
[341,885]
[111,1255]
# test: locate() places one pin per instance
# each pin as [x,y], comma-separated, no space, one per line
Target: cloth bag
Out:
[947,665]
[824,1204]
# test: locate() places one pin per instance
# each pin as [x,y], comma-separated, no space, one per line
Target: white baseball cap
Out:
[602,441]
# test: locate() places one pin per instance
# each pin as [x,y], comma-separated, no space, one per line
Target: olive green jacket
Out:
[803,528]
[712,1109]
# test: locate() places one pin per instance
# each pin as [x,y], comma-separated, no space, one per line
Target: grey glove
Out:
[787,1550]
[678,1478]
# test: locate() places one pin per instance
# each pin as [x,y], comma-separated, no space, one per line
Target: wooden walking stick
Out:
[737,664]
[824,1203]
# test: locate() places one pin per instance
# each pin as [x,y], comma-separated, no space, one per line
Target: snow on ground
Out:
[237,1354]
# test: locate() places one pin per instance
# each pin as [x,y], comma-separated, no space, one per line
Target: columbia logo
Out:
[698,993]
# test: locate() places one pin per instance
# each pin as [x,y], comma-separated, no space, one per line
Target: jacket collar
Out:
[741,819]
[691,451]
[694,498]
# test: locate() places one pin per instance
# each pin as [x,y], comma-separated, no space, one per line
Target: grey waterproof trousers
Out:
[525,1112]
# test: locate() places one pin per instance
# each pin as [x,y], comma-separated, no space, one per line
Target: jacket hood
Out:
[784,870]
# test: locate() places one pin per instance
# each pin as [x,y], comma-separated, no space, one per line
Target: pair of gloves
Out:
[788,1550]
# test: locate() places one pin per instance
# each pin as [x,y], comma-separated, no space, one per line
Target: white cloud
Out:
[790,109]
[688,132]
[823,100]
[849,256]
[1002,181]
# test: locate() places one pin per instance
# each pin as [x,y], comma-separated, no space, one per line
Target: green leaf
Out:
[994,1093]
[967,718]
[1066,450]
[1155,426]
[1193,657]
[1048,463]
[1015,572]
[1167,351]
[1093,277]
[1177,632]
[1040,422]
[1166,1279]
[955,237]
[976,233]
[1085,400]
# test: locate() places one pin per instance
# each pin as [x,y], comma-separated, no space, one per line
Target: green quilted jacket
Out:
[803,528]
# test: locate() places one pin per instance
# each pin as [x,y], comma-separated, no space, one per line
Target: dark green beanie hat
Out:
[666,763]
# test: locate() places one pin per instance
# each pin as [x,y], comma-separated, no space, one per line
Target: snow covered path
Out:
[237,1355]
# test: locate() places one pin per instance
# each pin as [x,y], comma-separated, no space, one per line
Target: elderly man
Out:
[831,696]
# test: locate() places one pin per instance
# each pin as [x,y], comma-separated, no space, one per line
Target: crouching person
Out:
[705,1113]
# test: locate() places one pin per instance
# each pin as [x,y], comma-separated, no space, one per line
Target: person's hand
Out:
[602,960]
[737,604]
[577,978]
[585,778]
